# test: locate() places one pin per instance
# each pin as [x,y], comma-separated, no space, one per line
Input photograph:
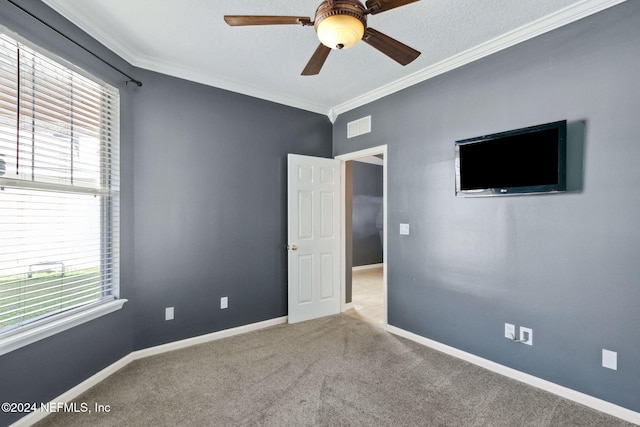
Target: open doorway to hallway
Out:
[367,295]
[365,231]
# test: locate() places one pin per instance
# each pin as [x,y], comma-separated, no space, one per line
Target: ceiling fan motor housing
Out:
[340,24]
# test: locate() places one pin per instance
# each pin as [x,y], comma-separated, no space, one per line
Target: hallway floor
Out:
[368,296]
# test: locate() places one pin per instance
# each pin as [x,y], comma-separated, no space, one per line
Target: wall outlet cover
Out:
[224,302]
[526,335]
[168,313]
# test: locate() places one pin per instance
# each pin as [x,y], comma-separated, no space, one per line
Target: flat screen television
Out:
[522,161]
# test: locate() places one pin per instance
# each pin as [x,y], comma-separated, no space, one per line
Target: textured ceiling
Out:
[189,39]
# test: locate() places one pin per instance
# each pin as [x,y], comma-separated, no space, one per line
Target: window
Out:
[59,195]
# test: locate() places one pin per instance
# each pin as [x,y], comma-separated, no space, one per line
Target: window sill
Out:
[28,335]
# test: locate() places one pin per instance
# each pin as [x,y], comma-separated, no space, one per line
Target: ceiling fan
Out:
[340,24]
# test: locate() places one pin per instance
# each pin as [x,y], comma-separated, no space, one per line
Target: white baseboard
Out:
[177,345]
[367,267]
[76,391]
[567,393]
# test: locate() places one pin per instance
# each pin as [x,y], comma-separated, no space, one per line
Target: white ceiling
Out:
[190,40]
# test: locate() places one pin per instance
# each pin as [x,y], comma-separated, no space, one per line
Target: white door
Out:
[314,237]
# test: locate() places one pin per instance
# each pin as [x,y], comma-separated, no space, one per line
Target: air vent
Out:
[359,127]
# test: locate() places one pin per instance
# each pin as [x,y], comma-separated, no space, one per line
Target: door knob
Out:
[292,247]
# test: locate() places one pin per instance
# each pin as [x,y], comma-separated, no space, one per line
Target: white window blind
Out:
[59,188]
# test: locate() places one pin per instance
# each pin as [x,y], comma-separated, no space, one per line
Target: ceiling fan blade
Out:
[317,61]
[399,52]
[377,6]
[241,20]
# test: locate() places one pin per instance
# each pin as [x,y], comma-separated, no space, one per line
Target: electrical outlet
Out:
[224,302]
[168,313]
[509,331]
[526,335]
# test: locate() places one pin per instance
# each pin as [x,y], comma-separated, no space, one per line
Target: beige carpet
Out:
[335,371]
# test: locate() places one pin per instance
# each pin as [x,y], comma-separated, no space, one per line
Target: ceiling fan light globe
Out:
[340,31]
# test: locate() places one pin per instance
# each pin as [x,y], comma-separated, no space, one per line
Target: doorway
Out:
[365,277]
[367,294]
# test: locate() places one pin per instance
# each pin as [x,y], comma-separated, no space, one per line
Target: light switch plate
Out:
[610,359]
[168,313]
[224,302]
[404,229]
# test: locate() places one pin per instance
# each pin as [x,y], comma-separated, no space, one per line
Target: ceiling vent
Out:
[359,127]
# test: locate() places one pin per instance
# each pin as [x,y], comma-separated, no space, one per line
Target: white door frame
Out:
[381,149]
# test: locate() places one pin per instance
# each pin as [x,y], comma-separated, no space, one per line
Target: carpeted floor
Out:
[335,371]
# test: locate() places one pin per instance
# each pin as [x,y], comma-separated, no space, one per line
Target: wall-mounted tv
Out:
[521,161]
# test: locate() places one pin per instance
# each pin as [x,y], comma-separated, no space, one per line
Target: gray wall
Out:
[210,206]
[367,214]
[565,265]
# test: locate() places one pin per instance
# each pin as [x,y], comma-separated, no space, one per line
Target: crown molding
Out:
[91,28]
[541,26]
[558,19]
[186,73]
[175,70]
